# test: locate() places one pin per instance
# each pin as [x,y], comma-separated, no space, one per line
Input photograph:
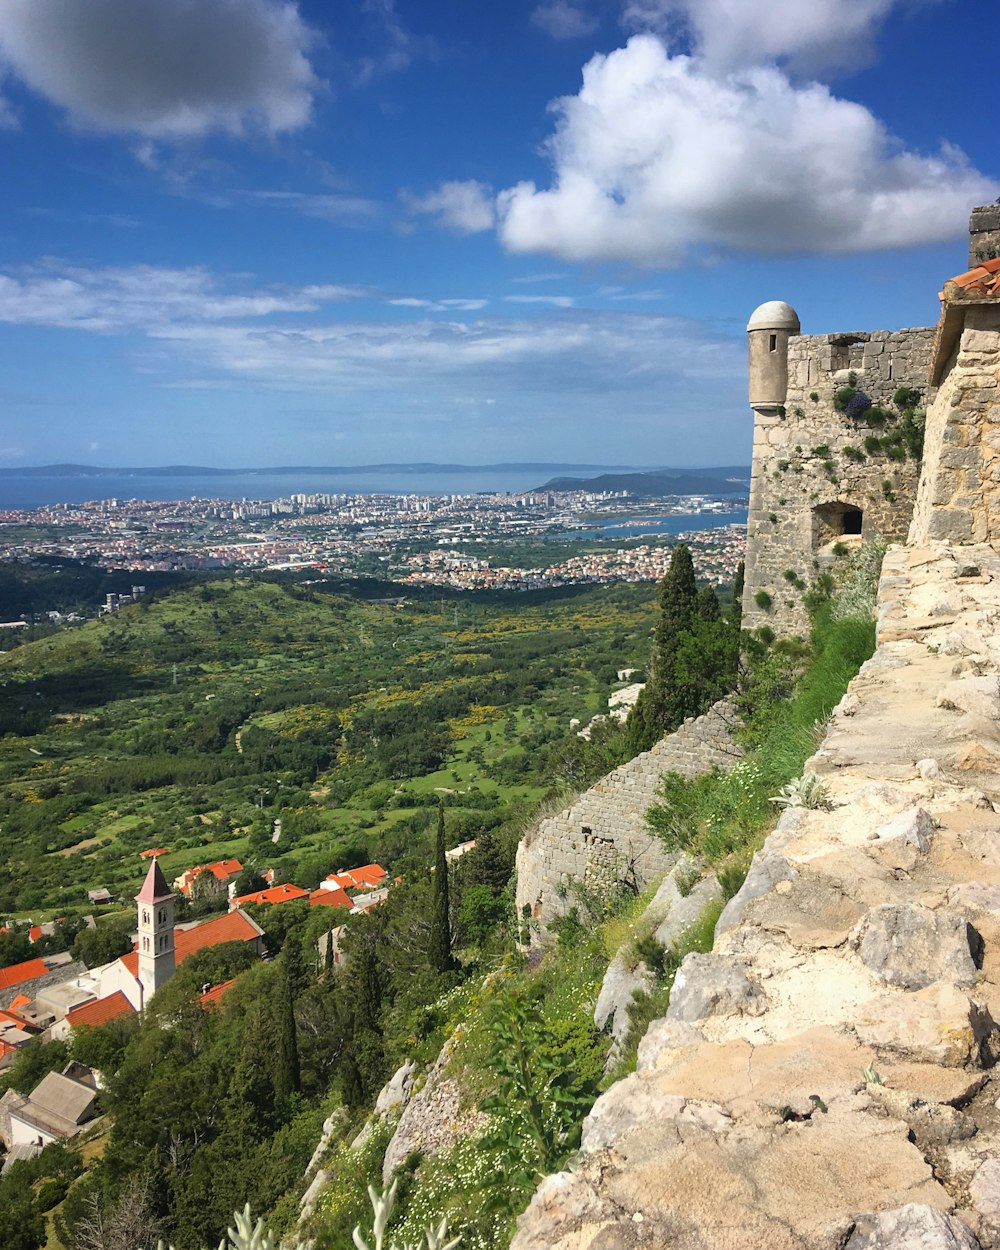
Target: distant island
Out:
[200,470]
[726,480]
[659,481]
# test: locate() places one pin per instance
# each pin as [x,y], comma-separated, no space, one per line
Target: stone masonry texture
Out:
[959,496]
[826,1077]
[809,463]
[603,836]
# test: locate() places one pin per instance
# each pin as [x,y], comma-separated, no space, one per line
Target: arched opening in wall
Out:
[840,351]
[836,522]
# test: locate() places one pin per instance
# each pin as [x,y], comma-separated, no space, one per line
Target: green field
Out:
[195,718]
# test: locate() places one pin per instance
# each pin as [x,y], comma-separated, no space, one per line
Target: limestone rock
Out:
[936,1025]
[664,1035]
[911,946]
[914,826]
[766,870]
[434,1118]
[911,1227]
[984,1191]
[686,910]
[709,985]
[625,977]
[978,757]
[933,1125]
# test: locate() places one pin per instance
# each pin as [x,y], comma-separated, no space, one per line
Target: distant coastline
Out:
[28,488]
[199,470]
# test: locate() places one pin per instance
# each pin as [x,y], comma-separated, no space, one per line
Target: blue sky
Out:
[250,232]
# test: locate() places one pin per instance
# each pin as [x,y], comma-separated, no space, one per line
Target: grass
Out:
[723,817]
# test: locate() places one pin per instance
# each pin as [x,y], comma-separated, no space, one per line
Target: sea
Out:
[657,526]
[28,492]
[19,492]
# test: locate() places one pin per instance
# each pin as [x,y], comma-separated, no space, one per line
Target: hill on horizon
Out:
[714,481]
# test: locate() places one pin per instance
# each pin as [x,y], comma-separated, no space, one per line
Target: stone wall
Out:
[825,1079]
[959,496]
[810,465]
[603,836]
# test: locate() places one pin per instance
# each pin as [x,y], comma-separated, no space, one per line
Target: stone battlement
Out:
[603,835]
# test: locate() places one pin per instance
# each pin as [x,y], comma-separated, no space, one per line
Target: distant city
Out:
[410,539]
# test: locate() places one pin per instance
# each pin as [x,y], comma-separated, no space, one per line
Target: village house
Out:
[60,1107]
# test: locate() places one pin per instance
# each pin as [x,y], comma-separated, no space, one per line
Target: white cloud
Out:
[143,297]
[164,68]
[563,20]
[439,305]
[592,354]
[657,158]
[808,35]
[345,210]
[398,46]
[466,207]
[553,301]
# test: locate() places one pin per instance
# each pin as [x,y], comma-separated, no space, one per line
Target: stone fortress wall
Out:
[603,837]
[813,485]
[826,1078]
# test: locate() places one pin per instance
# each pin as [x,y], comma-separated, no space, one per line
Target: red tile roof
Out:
[983,280]
[11,1018]
[212,996]
[275,894]
[363,878]
[329,898]
[22,1000]
[17,973]
[153,852]
[100,1011]
[234,926]
[34,933]
[223,869]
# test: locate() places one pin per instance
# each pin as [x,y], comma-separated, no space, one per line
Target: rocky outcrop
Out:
[824,1078]
[671,912]
[434,1117]
[603,836]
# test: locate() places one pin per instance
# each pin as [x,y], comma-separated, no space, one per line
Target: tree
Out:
[104,943]
[440,943]
[657,710]
[287,1078]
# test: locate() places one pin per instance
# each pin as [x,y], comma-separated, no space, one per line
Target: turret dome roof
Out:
[774,315]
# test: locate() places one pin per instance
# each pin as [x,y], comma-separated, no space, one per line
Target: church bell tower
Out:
[155,902]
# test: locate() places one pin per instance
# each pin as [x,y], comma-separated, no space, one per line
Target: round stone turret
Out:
[768,332]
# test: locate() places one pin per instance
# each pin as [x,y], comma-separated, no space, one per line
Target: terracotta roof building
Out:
[274,894]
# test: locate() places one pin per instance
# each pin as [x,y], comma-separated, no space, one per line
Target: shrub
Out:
[857,405]
[814,396]
[906,397]
[842,397]
[762,599]
[805,791]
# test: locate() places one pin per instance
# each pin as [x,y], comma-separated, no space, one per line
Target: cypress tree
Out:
[708,604]
[287,1079]
[735,618]
[328,958]
[736,608]
[440,944]
[656,710]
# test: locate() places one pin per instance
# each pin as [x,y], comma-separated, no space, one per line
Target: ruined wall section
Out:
[959,495]
[602,836]
[826,1078]
[811,470]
